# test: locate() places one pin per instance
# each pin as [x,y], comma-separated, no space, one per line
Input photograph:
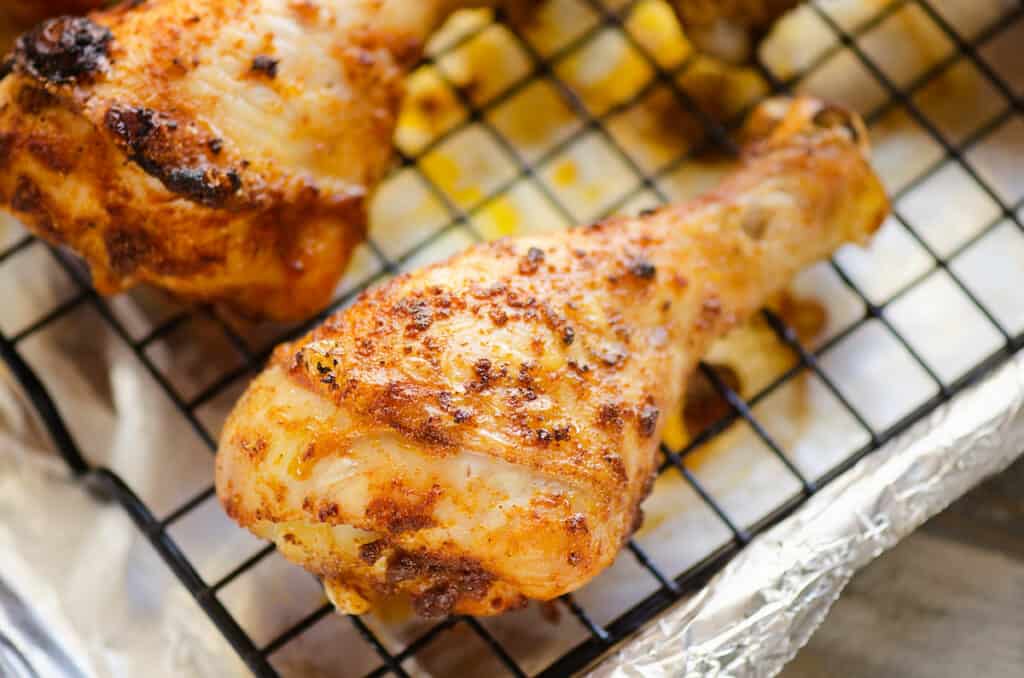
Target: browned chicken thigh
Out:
[222,149]
[483,431]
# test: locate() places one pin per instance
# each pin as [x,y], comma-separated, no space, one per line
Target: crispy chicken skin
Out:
[730,29]
[483,431]
[221,149]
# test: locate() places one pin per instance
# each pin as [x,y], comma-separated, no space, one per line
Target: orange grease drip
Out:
[703,406]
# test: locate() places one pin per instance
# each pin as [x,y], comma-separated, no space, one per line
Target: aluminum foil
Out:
[763,607]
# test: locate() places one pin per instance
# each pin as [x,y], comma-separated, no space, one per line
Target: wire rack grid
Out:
[880,312]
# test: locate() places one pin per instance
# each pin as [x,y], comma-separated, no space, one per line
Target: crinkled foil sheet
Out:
[762,608]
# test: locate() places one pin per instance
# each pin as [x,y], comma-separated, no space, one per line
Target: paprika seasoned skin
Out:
[482,431]
[223,150]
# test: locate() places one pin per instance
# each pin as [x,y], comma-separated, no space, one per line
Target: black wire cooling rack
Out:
[718,138]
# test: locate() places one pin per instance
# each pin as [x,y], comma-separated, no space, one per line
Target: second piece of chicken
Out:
[484,430]
[221,149]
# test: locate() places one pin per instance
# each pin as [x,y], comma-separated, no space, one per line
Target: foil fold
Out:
[754,616]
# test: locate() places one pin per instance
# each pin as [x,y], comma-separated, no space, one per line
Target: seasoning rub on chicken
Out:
[221,149]
[483,431]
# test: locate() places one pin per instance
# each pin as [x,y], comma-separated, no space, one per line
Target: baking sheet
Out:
[116,610]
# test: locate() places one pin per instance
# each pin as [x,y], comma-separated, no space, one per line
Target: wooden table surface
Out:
[947,602]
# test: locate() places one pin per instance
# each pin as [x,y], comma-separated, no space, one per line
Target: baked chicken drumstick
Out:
[221,149]
[483,431]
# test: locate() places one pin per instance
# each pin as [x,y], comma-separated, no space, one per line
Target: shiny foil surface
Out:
[762,608]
